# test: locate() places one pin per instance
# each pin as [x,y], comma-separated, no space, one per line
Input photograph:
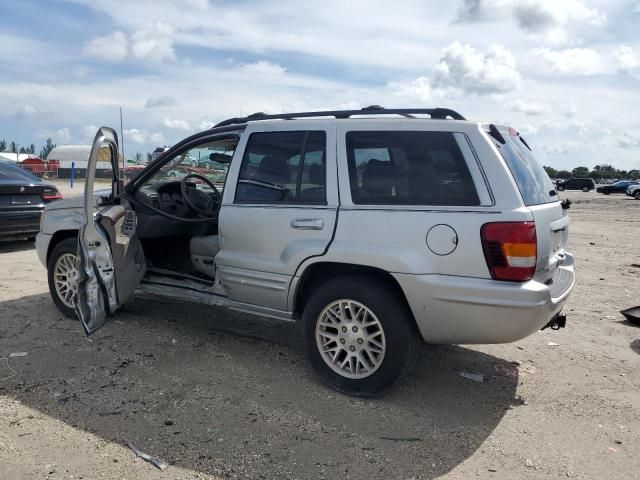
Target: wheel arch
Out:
[319,273]
[59,236]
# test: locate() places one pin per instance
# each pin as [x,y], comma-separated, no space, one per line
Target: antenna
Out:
[124,162]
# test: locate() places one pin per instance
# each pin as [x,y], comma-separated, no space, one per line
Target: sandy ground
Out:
[223,395]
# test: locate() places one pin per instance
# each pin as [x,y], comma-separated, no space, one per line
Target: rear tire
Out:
[60,258]
[359,335]
[585,189]
[636,195]
[560,188]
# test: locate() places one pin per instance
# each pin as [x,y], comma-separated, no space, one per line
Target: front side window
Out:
[283,167]
[408,168]
[210,159]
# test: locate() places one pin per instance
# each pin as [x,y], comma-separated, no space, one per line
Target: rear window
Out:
[9,171]
[533,182]
[408,168]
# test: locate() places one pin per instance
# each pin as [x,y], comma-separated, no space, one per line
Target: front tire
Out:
[560,188]
[62,274]
[636,195]
[359,335]
[585,189]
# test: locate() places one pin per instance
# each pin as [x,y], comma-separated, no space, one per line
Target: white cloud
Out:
[418,89]
[572,61]
[528,108]
[206,124]
[264,67]
[88,132]
[63,135]
[550,21]
[142,137]
[163,101]
[629,140]
[176,124]
[472,71]
[626,58]
[154,43]
[111,48]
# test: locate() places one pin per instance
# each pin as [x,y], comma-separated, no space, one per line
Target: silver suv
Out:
[374,227]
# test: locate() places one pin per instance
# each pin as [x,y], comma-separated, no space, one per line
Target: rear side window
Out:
[408,168]
[283,167]
[533,182]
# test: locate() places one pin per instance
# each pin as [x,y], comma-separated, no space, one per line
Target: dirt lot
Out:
[224,395]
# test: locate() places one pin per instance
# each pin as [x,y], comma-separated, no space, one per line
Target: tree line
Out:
[603,171]
[12,147]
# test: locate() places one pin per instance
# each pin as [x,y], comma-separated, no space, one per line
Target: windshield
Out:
[211,160]
[533,182]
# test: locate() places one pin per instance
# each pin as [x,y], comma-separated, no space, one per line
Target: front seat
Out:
[203,251]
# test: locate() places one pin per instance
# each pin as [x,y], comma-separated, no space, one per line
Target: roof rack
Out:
[435,113]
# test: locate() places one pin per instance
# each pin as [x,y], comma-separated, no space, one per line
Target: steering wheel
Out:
[197,200]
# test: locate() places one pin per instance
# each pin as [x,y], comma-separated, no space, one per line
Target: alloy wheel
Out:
[65,277]
[350,339]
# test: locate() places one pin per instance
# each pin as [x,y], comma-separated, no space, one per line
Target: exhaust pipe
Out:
[557,322]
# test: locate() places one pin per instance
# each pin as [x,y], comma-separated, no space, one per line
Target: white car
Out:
[634,191]
[337,219]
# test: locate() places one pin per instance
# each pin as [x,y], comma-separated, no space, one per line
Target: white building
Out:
[16,157]
[78,157]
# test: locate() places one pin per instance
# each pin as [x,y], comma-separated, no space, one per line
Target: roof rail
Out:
[435,113]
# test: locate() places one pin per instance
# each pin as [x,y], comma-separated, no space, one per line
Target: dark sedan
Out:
[618,187]
[22,200]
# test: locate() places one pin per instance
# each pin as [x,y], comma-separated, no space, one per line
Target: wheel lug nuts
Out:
[344,329]
[342,341]
[360,341]
[352,348]
[354,329]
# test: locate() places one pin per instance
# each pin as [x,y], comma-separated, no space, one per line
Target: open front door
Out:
[112,261]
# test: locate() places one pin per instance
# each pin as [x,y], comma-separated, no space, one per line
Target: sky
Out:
[565,73]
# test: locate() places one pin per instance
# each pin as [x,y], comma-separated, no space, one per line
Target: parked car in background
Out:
[23,197]
[373,231]
[618,187]
[634,191]
[584,184]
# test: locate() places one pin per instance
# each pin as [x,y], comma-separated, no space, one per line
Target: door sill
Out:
[203,292]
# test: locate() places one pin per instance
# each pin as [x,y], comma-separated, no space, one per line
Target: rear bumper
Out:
[461,310]
[19,223]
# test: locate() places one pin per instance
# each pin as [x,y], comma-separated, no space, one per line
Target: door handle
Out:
[307,223]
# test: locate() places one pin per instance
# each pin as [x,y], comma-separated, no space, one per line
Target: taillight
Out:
[510,249]
[50,195]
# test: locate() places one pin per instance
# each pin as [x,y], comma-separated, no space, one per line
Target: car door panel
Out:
[111,260]
[262,245]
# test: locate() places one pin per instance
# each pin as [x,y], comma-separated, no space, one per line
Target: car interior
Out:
[177,210]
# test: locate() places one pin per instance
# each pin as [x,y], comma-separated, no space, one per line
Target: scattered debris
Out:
[168,423]
[18,354]
[145,456]
[402,439]
[553,344]
[592,243]
[528,463]
[619,442]
[635,265]
[13,372]
[476,377]
[611,449]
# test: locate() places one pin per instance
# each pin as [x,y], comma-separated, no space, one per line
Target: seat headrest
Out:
[378,177]
[275,169]
[317,174]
